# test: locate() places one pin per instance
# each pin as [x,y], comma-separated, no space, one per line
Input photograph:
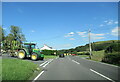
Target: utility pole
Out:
[90,50]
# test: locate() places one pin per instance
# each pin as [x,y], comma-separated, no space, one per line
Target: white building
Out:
[46,47]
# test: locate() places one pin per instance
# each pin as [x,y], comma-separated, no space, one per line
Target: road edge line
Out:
[38,76]
[102,75]
[43,63]
[48,63]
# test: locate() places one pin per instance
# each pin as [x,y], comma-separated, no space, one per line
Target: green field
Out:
[16,69]
[109,41]
[83,56]
[49,56]
[0,69]
[97,55]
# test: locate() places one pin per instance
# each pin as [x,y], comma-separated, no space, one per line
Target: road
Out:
[76,68]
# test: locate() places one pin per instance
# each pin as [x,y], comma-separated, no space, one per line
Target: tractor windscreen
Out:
[32,46]
[26,46]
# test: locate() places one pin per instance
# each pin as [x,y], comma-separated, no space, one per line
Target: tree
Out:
[17,33]
[2,36]
[14,39]
[7,42]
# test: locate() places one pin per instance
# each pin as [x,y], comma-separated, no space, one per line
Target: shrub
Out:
[113,48]
[83,53]
[113,58]
[48,52]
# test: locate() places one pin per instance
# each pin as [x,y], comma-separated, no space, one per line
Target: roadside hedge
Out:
[83,53]
[112,58]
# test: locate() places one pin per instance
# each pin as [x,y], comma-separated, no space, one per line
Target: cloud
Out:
[72,39]
[110,22]
[81,33]
[106,21]
[116,22]
[115,31]
[32,31]
[101,25]
[84,36]
[93,35]
[69,34]
[97,36]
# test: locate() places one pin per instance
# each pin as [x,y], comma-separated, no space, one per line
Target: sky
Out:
[62,25]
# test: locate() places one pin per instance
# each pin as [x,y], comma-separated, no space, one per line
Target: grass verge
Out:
[16,69]
[0,69]
[49,56]
[97,55]
[83,56]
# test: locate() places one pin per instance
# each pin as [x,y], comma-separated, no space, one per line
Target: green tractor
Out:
[29,50]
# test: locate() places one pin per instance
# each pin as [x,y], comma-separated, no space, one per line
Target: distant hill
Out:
[96,46]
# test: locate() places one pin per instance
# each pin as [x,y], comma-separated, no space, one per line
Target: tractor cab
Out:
[29,47]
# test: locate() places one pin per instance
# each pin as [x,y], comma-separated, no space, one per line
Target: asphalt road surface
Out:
[76,68]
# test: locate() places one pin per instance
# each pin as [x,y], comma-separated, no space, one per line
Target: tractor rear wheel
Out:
[21,54]
[34,56]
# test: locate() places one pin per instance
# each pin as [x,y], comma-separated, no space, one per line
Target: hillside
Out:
[96,46]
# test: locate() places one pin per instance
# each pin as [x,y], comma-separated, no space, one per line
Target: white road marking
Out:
[38,76]
[43,63]
[48,63]
[101,75]
[56,57]
[75,61]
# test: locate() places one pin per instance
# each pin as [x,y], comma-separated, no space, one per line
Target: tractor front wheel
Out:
[21,54]
[34,56]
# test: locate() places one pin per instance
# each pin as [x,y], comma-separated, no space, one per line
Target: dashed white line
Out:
[48,63]
[38,76]
[56,57]
[43,63]
[75,61]
[101,75]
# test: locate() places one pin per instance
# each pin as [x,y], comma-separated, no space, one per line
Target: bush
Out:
[83,53]
[112,58]
[113,48]
[49,52]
